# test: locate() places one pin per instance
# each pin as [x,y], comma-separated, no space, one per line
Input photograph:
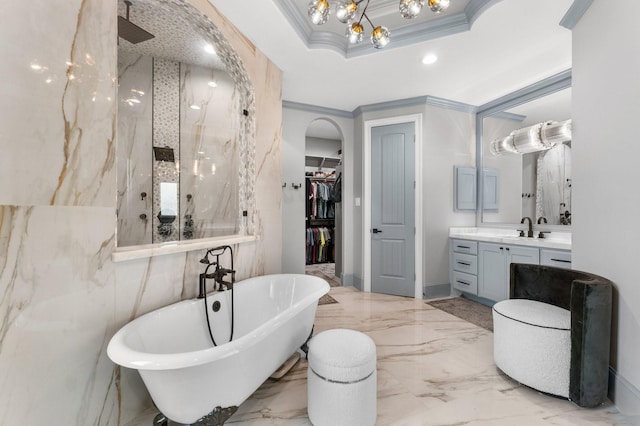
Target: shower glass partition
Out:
[185,130]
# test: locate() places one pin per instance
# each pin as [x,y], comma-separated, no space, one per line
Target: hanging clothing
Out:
[319,247]
[320,204]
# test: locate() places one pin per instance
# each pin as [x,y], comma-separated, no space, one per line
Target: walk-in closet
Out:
[323,180]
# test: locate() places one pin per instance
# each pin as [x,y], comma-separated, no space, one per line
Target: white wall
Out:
[294,128]
[449,140]
[510,167]
[606,173]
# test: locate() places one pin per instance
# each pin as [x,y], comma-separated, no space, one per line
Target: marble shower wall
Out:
[157,100]
[554,185]
[62,296]
[166,134]
[209,151]
[135,167]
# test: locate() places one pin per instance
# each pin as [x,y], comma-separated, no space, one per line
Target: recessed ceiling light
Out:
[429,59]
[194,107]
[209,49]
[212,84]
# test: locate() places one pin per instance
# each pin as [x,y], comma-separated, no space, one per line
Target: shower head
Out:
[130,31]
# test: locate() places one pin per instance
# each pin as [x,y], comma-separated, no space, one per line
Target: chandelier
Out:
[347,12]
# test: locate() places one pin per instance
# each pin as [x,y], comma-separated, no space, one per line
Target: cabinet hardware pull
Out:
[507,248]
[464,263]
[561,260]
[462,282]
[465,247]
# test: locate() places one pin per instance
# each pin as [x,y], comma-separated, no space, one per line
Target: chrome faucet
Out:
[530,231]
[219,273]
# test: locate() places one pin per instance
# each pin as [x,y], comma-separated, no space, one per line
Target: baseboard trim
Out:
[431,291]
[357,282]
[623,394]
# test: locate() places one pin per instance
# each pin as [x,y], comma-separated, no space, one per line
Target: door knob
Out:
[376,230]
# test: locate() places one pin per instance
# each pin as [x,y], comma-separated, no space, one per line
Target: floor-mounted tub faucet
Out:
[219,273]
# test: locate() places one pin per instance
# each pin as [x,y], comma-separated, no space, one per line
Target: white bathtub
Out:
[186,376]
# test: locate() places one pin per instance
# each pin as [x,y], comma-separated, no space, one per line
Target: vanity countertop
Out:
[553,240]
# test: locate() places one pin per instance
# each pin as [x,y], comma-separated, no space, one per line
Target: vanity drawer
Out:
[465,282]
[559,258]
[465,263]
[465,246]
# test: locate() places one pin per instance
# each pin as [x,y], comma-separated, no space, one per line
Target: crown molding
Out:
[575,12]
[536,90]
[400,103]
[406,36]
[429,30]
[509,116]
[475,8]
[317,109]
[449,104]
[402,37]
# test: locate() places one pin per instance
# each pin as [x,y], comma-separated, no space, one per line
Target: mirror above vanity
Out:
[524,151]
[186,129]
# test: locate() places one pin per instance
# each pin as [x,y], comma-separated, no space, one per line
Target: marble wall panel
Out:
[209,151]
[62,296]
[58,126]
[135,157]
[57,308]
[553,193]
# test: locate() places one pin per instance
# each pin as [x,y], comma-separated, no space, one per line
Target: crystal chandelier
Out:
[346,12]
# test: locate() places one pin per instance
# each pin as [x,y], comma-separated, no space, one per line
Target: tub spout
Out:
[219,274]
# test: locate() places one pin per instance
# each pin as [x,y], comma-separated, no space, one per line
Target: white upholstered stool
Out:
[532,344]
[341,379]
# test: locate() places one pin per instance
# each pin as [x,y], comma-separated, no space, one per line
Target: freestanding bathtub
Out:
[186,376]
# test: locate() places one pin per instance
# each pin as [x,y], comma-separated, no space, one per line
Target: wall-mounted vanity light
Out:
[539,137]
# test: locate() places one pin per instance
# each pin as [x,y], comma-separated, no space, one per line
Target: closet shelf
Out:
[321,162]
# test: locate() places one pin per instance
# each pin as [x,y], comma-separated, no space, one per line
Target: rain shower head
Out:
[130,31]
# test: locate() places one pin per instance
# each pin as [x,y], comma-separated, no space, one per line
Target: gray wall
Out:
[448,140]
[294,128]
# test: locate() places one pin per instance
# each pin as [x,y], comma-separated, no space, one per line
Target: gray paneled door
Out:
[392,209]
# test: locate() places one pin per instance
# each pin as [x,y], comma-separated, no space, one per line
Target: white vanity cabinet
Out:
[464,265]
[494,261]
[559,258]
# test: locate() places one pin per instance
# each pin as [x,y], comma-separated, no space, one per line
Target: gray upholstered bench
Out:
[554,332]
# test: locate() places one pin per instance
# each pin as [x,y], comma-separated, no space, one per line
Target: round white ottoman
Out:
[532,344]
[341,379]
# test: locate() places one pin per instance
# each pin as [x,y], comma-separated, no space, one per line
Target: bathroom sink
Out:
[559,240]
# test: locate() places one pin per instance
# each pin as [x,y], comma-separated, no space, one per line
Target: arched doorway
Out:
[323,204]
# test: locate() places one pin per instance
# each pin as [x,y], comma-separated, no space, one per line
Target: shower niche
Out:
[185,129]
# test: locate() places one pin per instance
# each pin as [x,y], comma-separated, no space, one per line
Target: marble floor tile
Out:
[433,369]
